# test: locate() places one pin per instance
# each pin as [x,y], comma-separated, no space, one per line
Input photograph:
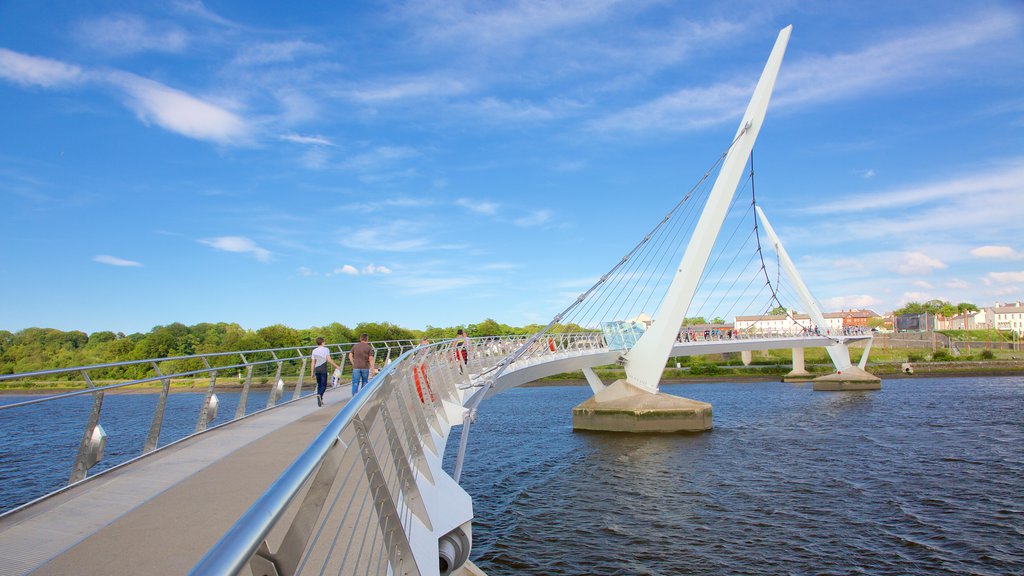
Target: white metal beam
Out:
[645,362]
[839,353]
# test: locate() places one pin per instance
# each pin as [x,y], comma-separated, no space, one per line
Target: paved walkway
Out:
[162,513]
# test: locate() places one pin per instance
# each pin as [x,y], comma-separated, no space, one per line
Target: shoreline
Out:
[922,370]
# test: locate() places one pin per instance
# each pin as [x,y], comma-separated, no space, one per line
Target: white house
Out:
[1009,317]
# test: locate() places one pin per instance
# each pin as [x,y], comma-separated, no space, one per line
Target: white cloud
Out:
[912,55]
[380,156]
[114,260]
[129,34]
[393,236]
[427,284]
[478,206]
[1006,277]
[991,180]
[314,140]
[306,271]
[914,263]
[851,301]
[368,270]
[957,284]
[536,218]
[179,112]
[407,89]
[999,252]
[866,174]
[923,284]
[276,52]
[35,71]
[902,62]
[238,244]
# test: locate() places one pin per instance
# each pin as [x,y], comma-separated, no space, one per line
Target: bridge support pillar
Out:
[799,373]
[848,379]
[747,357]
[623,407]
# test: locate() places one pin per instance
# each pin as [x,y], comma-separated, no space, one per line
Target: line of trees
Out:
[936,307]
[34,349]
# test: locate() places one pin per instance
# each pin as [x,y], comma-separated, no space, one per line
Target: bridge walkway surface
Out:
[160,514]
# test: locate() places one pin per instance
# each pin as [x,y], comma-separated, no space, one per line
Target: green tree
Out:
[778,311]
[279,336]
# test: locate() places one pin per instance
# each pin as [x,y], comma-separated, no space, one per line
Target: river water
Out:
[925,476]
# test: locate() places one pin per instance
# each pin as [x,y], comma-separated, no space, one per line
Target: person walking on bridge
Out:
[361,356]
[321,356]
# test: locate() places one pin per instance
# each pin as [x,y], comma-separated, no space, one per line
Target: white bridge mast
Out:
[839,353]
[645,362]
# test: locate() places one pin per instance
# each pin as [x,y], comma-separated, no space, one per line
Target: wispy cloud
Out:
[535,218]
[302,139]
[179,112]
[919,54]
[478,206]
[378,157]
[368,270]
[511,23]
[405,89]
[412,285]
[36,71]
[392,236]
[1007,178]
[917,263]
[851,301]
[115,261]
[276,52]
[1006,277]
[239,244]
[997,252]
[130,34]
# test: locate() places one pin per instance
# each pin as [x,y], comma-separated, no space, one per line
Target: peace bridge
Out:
[360,486]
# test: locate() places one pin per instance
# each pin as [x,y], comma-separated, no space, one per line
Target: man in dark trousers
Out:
[320,357]
[361,356]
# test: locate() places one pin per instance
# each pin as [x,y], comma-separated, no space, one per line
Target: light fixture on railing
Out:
[211,410]
[97,442]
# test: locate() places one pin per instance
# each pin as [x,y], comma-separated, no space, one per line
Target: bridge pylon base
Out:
[849,379]
[623,407]
[798,376]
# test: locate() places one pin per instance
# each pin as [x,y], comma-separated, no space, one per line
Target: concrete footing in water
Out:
[623,407]
[849,379]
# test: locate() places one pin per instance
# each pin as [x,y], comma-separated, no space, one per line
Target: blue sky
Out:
[444,162]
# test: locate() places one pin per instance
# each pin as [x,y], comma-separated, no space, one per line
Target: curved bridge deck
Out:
[161,513]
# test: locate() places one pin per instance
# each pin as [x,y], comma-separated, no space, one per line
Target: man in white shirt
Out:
[318,368]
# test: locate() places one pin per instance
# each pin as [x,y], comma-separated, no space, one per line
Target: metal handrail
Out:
[238,545]
[91,447]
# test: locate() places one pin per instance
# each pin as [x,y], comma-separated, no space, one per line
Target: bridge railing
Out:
[369,496]
[275,365]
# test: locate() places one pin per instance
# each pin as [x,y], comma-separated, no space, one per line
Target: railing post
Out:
[396,541]
[153,439]
[413,499]
[204,411]
[275,388]
[302,375]
[243,398]
[82,465]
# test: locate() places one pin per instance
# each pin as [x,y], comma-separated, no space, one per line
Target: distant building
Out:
[1009,317]
[915,322]
[795,323]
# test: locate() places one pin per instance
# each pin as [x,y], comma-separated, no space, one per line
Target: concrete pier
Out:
[799,372]
[623,407]
[848,379]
